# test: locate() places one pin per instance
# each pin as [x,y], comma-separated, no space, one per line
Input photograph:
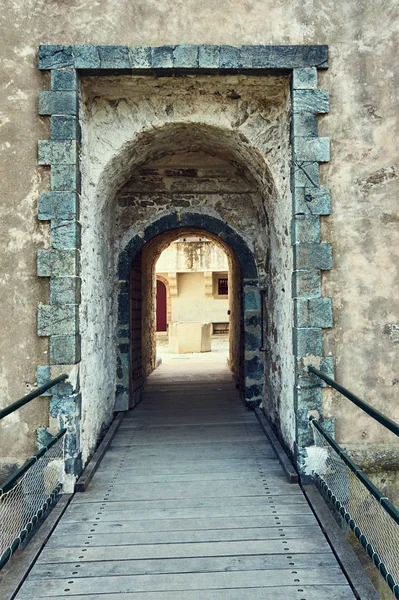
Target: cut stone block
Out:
[57,263]
[114,57]
[57,152]
[185,57]
[312,149]
[54,319]
[312,256]
[65,177]
[64,128]
[60,103]
[315,101]
[65,290]
[208,57]
[58,205]
[63,80]
[189,337]
[64,349]
[313,312]
[307,341]
[65,234]
[314,201]
[140,57]
[304,79]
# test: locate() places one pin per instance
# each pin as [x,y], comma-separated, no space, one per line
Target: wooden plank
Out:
[127,511]
[182,581]
[314,592]
[157,466]
[124,477]
[15,572]
[182,565]
[190,489]
[351,565]
[165,551]
[212,523]
[182,537]
[192,451]
[87,475]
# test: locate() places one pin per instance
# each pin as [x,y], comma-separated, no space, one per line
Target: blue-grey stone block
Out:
[64,349]
[65,290]
[162,57]
[43,375]
[304,79]
[284,57]
[309,398]
[65,234]
[65,177]
[312,256]
[304,124]
[114,57]
[43,437]
[64,80]
[230,57]
[57,263]
[55,57]
[251,300]
[313,312]
[306,284]
[123,309]
[140,57]
[305,228]
[254,368]
[65,405]
[62,152]
[60,103]
[74,466]
[58,205]
[208,57]
[252,341]
[307,341]
[64,128]
[312,201]
[312,149]
[185,57]
[306,379]
[305,174]
[252,320]
[253,392]
[315,101]
[57,319]
[86,57]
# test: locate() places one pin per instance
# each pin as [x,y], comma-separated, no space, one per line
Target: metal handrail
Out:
[12,480]
[374,491]
[372,412]
[38,392]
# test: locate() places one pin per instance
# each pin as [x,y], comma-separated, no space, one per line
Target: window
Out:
[223,286]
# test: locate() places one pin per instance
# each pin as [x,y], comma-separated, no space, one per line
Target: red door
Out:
[161,306]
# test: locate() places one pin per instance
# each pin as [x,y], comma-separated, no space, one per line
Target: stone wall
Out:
[362,173]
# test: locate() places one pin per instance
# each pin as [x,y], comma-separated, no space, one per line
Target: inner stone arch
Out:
[188,175]
[137,302]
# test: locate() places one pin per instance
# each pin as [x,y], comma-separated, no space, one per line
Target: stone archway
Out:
[254,106]
[249,365]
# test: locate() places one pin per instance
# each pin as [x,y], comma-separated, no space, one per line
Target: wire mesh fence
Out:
[24,504]
[373,519]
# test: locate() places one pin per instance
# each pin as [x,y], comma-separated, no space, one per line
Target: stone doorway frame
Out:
[60,318]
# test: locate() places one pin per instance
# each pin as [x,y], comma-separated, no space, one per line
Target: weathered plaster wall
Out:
[363,171]
[192,305]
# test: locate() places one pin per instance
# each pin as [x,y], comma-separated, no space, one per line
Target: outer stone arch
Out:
[253,365]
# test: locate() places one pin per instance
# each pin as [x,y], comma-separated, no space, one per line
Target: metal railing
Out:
[28,493]
[367,512]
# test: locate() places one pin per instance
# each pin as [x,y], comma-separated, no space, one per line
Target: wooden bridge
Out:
[189,503]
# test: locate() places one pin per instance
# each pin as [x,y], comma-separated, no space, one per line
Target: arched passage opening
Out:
[137,302]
